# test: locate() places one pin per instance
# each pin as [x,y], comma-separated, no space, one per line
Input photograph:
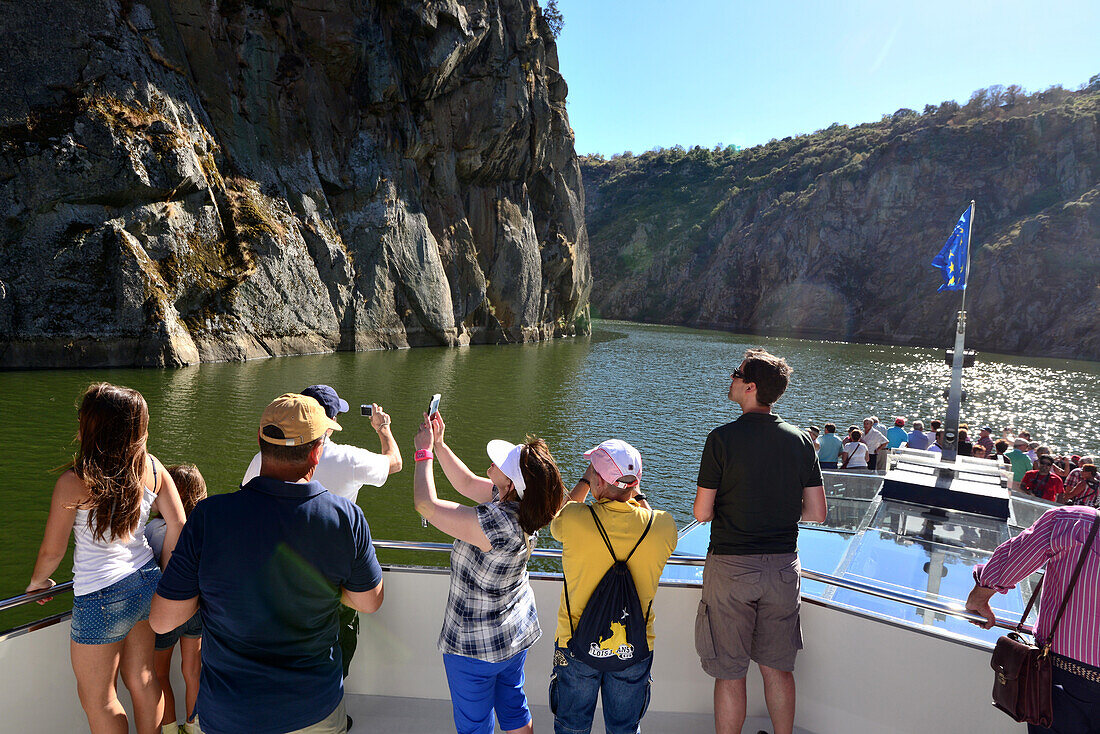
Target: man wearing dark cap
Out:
[271,563]
[344,470]
[758,477]
[986,439]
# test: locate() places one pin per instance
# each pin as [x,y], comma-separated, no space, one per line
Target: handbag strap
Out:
[1030,604]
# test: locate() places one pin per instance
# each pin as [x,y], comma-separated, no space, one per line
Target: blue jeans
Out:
[574,686]
[1076,704]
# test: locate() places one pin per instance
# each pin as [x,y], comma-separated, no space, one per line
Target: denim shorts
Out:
[106,616]
[191,629]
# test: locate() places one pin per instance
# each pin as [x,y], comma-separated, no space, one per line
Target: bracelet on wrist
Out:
[582,479]
[639,497]
[423,455]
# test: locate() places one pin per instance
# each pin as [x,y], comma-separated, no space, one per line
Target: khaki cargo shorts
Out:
[749,611]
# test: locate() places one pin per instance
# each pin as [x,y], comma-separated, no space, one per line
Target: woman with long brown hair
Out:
[104,499]
[490,620]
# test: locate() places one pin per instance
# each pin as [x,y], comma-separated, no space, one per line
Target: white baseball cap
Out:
[506,456]
[613,460]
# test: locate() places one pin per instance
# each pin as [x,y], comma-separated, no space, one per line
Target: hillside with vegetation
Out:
[831,235]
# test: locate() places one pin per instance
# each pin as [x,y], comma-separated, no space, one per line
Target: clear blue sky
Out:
[649,73]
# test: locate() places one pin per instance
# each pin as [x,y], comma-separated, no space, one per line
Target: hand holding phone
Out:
[433,406]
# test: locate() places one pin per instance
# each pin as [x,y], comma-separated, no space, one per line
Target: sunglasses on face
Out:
[737,374]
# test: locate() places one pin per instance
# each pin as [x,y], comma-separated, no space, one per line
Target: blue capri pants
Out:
[478,687]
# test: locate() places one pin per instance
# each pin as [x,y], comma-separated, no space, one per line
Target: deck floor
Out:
[396,715]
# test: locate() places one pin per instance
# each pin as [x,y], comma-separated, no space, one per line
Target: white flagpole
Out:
[954,395]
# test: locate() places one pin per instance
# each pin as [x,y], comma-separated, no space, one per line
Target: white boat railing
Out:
[952,609]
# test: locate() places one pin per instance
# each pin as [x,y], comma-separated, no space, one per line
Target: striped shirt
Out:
[490,611]
[1055,540]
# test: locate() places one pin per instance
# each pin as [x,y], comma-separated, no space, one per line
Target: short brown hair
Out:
[190,485]
[293,455]
[770,374]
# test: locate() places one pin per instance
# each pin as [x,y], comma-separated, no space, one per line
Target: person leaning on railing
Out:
[1055,541]
[104,500]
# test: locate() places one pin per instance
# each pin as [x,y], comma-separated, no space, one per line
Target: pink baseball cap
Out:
[617,462]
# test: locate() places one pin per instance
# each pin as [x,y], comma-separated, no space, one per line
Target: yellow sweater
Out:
[585,558]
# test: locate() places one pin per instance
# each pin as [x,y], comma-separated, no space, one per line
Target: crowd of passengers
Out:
[1036,469]
[262,587]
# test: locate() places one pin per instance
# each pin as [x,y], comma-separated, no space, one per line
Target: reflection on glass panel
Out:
[694,540]
[960,530]
[818,549]
[846,514]
[852,485]
[1025,511]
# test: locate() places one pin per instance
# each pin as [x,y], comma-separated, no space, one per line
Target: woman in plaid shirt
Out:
[490,619]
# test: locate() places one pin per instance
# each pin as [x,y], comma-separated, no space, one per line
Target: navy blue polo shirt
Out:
[267,563]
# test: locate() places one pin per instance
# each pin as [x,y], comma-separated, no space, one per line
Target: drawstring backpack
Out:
[611,633]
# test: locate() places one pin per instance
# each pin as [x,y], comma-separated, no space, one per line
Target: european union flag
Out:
[952,258]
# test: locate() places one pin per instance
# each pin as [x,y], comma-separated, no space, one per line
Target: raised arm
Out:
[458,521]
[580,490]
[380,421]
[68,491]
[468,484]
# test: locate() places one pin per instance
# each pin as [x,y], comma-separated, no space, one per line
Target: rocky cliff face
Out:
[195,180]
[831,235]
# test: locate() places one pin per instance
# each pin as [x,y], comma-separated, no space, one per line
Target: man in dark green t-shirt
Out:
[758,477]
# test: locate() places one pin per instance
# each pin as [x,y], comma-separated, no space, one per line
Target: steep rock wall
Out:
[193,180]
[831,236]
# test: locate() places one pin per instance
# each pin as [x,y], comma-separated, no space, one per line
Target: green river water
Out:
[660,388]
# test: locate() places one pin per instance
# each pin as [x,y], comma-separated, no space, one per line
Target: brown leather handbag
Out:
[1022,671]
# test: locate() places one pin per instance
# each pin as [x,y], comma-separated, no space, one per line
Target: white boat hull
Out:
[856,675]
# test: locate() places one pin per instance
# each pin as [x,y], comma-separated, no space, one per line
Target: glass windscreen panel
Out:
[895,546]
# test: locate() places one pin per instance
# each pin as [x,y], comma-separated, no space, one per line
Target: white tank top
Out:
[99,563]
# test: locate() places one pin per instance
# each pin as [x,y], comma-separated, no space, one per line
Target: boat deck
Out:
[396,715]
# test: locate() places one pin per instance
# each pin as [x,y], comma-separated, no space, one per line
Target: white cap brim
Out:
[506,456]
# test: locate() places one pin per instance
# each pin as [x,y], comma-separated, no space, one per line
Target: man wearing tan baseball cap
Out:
[264,559]
[294,420]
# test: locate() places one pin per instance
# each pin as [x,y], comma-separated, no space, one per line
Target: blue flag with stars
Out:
[952,258]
